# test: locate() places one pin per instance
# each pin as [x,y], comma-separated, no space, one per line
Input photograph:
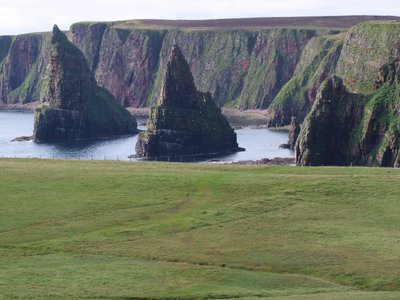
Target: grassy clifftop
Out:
[366,48]
[150,230]
[330,22]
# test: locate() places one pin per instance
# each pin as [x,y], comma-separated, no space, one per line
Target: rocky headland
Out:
[346,128]
[185,122]
[78,108]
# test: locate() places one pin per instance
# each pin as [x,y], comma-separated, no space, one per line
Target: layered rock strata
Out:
[185,122]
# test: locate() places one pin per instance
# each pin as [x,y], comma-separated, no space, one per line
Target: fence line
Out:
[103,158]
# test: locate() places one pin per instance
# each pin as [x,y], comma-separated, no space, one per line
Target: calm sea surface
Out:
[259,143]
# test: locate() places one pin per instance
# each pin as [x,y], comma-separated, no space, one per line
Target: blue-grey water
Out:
[259,143]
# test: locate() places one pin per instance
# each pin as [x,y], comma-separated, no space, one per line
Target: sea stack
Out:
[77,108]
[294,130]
[352,129]
[185,122]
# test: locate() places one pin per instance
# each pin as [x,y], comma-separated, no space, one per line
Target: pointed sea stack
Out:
[78,108]
[185,122]
[294,130]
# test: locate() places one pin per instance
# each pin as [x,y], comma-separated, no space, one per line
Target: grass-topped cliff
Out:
[102,230]
[356,116]
[245,63]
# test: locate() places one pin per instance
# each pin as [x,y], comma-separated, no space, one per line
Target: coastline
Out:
[249,117]
[259,114]
[25,106]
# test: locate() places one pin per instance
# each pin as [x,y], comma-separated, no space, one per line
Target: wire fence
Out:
[103,158]
[72,157]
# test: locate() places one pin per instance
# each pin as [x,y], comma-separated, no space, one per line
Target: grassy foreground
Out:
[115,230]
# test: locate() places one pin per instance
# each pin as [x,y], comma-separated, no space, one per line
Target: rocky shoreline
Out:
[250,114]
[25,106]
[277,161]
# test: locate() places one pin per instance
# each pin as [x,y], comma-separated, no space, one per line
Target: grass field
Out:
[115,230]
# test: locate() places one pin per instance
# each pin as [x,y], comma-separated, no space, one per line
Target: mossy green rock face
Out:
[355,119]
[78,108]
[185,122]
[326,133]
[23,61]
[345,128]
[366,48]
[317,62]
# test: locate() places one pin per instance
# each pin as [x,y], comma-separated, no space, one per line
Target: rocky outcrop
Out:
[356,117]
[294,131]
[326,133]
[345,128]
[78,109]
[185,122]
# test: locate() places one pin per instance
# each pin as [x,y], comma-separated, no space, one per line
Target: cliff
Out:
[244,63]
[23,61]
[185,122]
[317,62]
[78,108]
[355,119]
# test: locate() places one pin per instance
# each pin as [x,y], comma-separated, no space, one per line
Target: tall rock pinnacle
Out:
[71,83]
[185,122]
[78,108]
[178,86]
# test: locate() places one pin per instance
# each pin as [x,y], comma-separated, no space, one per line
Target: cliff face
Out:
[244,68]
[124,61]
[367,47]
[185,122]
[317,62]
[78,108]
[243,63]
[356,120]
[276,63]
[272,63]
[23,61]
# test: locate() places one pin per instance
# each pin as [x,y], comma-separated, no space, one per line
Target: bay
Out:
[258,142]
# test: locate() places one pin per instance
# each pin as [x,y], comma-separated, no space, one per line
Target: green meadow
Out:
[118,230]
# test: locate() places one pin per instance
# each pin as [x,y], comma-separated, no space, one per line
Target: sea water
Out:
[258,142]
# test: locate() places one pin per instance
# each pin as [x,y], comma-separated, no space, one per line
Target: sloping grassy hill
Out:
[334,22]
[114,230]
